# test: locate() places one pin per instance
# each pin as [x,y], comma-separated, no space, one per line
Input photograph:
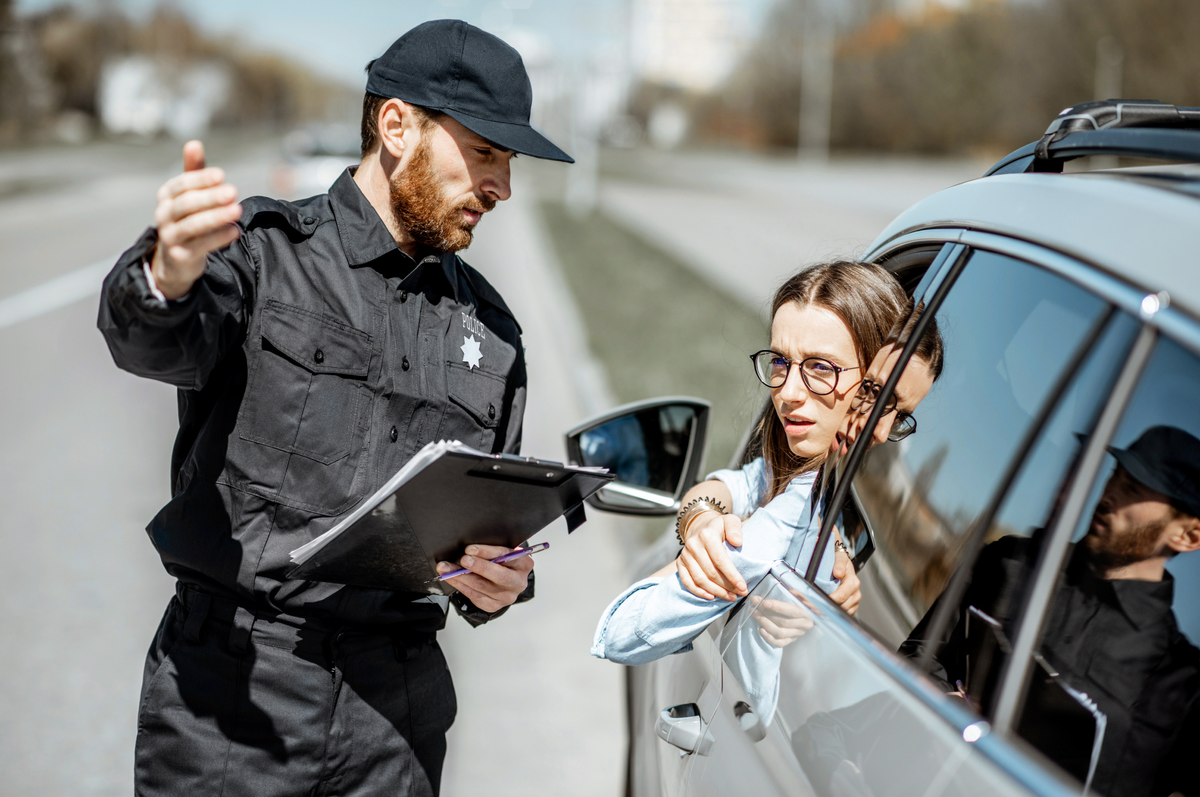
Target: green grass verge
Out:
[658,327]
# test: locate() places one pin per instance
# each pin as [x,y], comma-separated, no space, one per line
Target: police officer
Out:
[316,345]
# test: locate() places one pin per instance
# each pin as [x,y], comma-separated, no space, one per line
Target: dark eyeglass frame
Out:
[837,371]
[905,424]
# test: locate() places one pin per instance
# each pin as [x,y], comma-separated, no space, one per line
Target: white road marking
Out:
[56,293]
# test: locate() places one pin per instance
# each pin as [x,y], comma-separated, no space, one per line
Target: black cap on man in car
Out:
[468,74]
[1167,460]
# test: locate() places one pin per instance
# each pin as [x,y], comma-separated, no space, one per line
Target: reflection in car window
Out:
[1115,693]
[1009,329]
[969,654]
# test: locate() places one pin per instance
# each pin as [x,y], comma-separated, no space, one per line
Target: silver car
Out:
[1003,646]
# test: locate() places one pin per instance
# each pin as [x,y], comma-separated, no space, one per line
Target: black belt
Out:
[307,637]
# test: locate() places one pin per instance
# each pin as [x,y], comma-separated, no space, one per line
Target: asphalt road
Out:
[748,222]
[84,465]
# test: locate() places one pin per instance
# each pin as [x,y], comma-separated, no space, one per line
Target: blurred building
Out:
[146,96]
[689,44]
[679,50]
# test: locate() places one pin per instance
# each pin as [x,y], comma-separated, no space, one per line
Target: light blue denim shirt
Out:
[658,616]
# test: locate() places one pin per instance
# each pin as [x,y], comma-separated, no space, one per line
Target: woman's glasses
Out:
[868,393]
[820,375]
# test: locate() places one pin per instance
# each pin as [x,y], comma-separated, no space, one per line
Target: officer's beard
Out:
[1134,545]
[422,209]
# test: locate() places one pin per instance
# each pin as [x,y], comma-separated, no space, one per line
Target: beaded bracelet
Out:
[694,508]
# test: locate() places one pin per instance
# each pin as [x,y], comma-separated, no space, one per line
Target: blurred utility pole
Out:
[583,177]
[1110,64]
[816,83]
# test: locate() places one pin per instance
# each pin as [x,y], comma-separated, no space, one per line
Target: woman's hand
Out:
[849,592]
[704,566]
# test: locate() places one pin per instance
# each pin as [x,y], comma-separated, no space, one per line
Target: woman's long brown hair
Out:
[870,302]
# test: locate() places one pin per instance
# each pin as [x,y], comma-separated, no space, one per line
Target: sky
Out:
[337,40]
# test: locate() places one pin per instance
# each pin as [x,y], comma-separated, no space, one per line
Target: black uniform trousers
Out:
[238,704]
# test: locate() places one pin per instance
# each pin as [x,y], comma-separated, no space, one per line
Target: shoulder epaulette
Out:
[303,216]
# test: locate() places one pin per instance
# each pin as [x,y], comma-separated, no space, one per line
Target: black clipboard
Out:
[455,497]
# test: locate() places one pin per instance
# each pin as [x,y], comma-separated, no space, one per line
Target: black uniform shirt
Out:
[1115,640]
[312,359]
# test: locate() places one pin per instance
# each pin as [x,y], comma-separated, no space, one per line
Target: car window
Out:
[964,640]
[1009,329]
[1114,694]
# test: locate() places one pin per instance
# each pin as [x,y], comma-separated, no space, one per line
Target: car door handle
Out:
[749,722]
[683,727]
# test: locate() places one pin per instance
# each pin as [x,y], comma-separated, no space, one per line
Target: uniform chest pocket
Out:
[307,391]
[474,411]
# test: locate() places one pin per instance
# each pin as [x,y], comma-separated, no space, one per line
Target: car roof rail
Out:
[1132,128]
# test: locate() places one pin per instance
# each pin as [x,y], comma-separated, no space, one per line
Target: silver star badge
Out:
[471,353]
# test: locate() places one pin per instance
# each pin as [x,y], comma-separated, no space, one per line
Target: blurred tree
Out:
[987,77]
[26,94]
[9,96]
[74,45]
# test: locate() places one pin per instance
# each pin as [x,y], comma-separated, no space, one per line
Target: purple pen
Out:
[541,546]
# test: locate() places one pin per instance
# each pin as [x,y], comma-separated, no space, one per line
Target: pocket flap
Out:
[316,342]
[478,392]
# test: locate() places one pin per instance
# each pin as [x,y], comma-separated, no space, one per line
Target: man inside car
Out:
[1110,636]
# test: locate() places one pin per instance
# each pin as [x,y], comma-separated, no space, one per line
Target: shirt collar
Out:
[1142,602]
[366,238]
[364,235]
[1145,602]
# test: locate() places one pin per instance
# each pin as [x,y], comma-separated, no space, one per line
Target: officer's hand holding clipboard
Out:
[450,503]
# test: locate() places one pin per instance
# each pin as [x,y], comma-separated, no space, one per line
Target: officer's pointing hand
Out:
[490,586]
[195,215]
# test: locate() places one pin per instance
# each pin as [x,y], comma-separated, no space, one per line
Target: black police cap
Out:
[1167,460]
[468,74]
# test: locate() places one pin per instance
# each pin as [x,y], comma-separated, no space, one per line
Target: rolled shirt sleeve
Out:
[747,485]
[657,617]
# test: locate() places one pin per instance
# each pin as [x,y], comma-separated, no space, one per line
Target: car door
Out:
[860,706]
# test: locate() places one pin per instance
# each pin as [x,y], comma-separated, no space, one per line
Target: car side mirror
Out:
[654,448]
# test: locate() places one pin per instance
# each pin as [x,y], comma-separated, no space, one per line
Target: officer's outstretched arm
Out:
[196,214]
[199,263]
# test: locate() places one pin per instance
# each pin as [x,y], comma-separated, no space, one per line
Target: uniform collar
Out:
[1145,602]
[364,236]
[1142,602]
